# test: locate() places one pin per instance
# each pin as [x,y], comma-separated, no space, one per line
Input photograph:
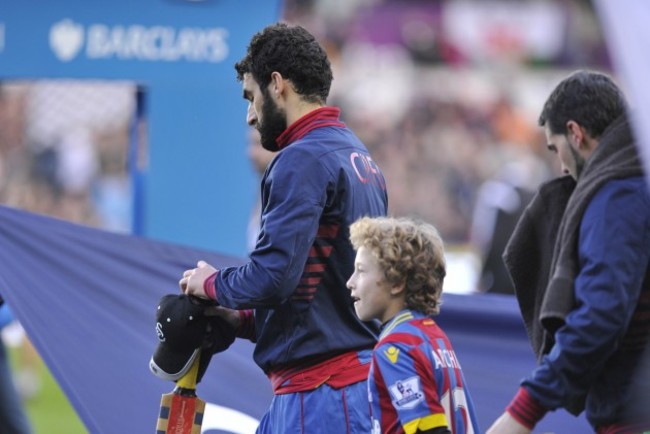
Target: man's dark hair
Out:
[293,52]
[589,98]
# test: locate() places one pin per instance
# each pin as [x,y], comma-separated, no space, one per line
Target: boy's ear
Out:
[398,289]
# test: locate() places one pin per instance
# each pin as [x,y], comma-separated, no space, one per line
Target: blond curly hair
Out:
[410,252]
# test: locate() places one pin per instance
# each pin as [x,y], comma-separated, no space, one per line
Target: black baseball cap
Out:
[182,328]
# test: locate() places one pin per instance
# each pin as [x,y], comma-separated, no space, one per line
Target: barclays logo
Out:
[137,42]
[66,39]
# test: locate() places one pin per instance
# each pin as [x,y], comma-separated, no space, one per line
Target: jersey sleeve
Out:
[411,387]
[294,194]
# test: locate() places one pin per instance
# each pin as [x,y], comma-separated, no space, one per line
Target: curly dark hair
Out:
[589,98]
[295,54]
[410,252]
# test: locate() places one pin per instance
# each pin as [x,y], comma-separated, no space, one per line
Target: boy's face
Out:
[370,291]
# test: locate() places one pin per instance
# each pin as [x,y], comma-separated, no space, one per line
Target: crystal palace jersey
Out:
[416,382]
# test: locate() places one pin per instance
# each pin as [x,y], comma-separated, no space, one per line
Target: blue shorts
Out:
[321,411]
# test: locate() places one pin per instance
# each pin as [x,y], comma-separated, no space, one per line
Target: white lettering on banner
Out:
[156,43]
[137,42]
[216,417]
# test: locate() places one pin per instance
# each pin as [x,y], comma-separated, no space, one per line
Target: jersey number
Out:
[460,406]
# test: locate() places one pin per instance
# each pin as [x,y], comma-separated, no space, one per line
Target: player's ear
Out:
[277,83]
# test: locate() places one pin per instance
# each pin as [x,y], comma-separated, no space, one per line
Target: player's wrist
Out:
[246,326]
[525,409]
[210,286]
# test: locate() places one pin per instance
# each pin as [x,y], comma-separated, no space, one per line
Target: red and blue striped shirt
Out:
[416,382]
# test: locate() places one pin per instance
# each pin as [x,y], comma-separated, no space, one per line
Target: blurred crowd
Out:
[63,150]
[446,95]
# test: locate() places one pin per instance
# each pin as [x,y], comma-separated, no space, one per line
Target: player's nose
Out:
[251,116]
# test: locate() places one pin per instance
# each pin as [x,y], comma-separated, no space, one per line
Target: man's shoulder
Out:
[633,189]
[634,183]
[624,198]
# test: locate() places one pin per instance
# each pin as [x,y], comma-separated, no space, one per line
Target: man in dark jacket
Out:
[588,319]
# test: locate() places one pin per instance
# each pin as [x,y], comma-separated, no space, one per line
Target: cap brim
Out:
[171,365]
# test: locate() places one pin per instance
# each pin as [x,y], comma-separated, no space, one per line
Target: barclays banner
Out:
[76,39]
[180,55]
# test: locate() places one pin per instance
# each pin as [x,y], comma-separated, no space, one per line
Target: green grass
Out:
[49,410]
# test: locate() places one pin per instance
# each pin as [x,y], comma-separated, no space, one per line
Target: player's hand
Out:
[231,316]
[221,334]
[192,281]
[506,424]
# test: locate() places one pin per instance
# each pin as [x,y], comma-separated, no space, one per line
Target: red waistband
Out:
[336,372]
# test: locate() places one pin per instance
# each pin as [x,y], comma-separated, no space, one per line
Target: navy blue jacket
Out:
[598,351]
[311,192]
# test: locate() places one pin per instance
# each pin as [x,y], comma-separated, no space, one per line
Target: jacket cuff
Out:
[210,286]
[525,409]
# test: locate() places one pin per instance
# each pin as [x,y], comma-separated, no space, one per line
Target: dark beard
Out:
[274,122]
[578,160]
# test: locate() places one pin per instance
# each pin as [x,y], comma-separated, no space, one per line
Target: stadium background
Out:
[444,93]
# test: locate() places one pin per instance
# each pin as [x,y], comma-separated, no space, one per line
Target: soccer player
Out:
[416,384]
[291,297]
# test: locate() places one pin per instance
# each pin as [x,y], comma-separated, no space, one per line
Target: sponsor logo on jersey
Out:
[406,394]
[392,353]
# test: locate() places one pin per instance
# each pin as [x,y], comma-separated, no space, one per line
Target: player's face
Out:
[263,113]
[571,162]
[272,124]
[370,291]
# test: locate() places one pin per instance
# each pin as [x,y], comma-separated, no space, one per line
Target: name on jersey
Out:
[445,358]
[367,170]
